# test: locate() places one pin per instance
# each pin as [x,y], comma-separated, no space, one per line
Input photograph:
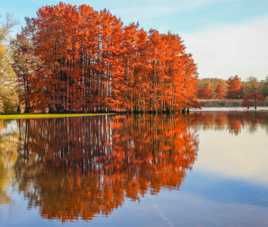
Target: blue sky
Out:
[207,26]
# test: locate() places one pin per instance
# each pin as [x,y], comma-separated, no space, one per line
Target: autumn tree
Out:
[253,99]
[235,88]
[252,93]
[220,91]
[205,92]
[27,66]
[8,86]
[252,85]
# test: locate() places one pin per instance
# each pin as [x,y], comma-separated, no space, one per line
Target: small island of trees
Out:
[76,59]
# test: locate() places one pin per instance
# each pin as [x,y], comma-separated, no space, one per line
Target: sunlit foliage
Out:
[75,59]
[8,92]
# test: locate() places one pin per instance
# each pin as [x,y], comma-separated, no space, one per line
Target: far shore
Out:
[227,103]
[230,109]
[206,106]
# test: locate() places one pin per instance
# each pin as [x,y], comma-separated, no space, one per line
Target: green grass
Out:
[42,116]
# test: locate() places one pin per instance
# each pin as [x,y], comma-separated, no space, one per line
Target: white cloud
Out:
[232,49]
[144,10]
[243,157]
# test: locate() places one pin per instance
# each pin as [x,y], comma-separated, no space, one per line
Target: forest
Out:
[74,59]
[250,92]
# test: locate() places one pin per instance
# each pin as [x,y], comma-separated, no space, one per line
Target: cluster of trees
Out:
[82,167]
[251,92]
[75,59]
[233,88]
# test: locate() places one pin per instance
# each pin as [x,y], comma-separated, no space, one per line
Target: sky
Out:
[225,37]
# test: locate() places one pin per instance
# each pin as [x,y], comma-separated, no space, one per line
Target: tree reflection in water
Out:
[83,167]
[234,122]
[9,141]
[78,168]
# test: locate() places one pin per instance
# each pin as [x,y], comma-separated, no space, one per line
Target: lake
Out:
[204,169]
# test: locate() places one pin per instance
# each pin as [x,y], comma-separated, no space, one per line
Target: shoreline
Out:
[231,109]
[227,103]
[67,115]
[47,116]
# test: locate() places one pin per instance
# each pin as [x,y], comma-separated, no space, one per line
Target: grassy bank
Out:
[42,116]
[226,103]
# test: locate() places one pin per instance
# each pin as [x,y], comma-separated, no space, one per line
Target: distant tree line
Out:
[250,91]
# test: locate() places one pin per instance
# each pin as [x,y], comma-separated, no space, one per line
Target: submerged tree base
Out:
[65,115]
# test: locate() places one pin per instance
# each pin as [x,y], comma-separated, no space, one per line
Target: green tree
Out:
[235,88]
[264,87]
[252,85]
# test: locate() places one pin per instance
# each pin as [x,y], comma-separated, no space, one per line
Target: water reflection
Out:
[233,121]
[8,156]
[82,167]
[234,147]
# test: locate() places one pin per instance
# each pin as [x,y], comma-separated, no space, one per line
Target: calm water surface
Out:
[206,169]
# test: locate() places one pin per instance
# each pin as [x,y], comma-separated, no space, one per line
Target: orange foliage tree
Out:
[253,99]
[205,92]
[235,87]
[91,62]
[220,91]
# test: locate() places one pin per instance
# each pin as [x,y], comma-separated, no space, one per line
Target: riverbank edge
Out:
[214,103]
[42,116]
[68,115]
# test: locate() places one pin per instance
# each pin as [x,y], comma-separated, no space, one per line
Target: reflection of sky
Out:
[242,157]
[226,190]
[187,207]
[11,127]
